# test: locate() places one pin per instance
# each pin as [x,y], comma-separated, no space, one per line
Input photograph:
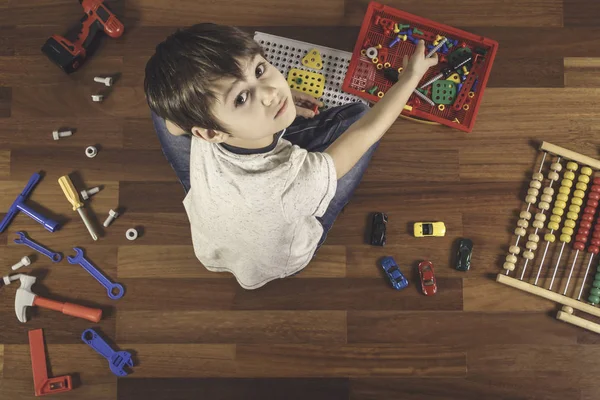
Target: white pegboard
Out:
[286,54]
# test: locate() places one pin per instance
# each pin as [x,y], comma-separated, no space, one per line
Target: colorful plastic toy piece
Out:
[422,229]
[428,282]
[41,383]
[312,83]
[117,360]
[460,53]
[313,60]
[395,276]
[378,229]
[372,90]
[454,78]
[463,256]
[443,92]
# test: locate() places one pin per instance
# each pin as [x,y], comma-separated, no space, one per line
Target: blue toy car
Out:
[391,269]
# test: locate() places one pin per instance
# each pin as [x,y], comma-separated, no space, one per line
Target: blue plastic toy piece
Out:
[474,87]
[394,42]
[78,258]
[19,205]
[23,239]
[117,360]
[396,278]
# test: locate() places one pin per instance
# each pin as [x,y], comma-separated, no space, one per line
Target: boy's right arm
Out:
[360,136]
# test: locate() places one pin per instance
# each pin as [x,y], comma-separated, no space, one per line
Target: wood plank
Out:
[474,328]
[232,327]
[5,163]
[234,388]
[530,72]
[348,294]
[487,295]
[578,13]
[130,192]
[349,360]
[582,72]
[6,101]
[139,133]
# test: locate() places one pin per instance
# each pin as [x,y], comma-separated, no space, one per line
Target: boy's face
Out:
[253,110]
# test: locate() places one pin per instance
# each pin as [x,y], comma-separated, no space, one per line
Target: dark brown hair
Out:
[179,75]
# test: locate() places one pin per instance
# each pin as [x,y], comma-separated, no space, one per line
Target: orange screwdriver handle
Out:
[74,310]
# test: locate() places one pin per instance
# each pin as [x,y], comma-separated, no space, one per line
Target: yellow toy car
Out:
[423,229]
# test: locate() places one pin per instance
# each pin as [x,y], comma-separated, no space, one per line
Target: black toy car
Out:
[378,228]
[463,255]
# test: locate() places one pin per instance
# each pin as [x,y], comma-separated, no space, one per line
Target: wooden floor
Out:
[335,331]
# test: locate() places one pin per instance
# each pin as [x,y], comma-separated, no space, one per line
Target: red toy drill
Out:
[70,51]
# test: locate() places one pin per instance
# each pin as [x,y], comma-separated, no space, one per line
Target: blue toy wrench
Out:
[99,276]
[117,360]
[23,239]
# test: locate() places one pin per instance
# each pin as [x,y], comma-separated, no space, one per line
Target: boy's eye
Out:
[242,97]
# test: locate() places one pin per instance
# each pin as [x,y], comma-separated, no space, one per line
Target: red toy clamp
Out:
[42,384]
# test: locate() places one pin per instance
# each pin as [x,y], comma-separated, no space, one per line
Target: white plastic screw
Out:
[91,151]
[86,194]
[60,134]
[11,278]
[131,234]
[25,261]
[112,214]
[97,97]
[106,80]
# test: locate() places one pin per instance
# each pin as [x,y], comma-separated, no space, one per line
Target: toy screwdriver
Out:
[446,72]
[71,194]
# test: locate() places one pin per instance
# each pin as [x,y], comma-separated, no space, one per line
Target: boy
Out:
[264,177]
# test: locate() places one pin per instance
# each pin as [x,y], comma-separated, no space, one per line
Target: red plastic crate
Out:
[363,73]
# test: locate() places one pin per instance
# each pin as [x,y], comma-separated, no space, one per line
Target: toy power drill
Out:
[70,51]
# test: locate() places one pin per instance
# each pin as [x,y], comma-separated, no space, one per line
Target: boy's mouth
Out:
[282,109]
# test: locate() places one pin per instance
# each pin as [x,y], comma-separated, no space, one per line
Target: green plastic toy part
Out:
[443,92]
[372,90]
[418,32]
[459,54]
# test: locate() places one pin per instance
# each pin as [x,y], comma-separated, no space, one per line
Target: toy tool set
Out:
[449,93]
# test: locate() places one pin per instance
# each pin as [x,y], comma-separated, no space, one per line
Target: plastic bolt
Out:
[108,81]
[86,194]
[25,261]
[112,214]
[97,97]
[61,134]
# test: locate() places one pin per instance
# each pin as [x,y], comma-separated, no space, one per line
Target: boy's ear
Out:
[209,135]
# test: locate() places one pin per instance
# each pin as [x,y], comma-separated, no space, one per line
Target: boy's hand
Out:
[305,103]
[417,65]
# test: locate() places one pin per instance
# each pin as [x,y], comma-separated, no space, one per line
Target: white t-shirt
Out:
[254,215]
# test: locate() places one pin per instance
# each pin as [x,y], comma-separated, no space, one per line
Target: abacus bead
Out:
[581,186]
[528,255]
[595,291]
[511,258]
[543,205]
[579,246]
[572,166]
[592,202]
[556,167]
[553,176]
[569,175]
[587,217]
[560,204]
[586,171]
[566,183]
[540,217]
[597,181]
[567,231]
[597,277]
[538,177]
[575,208]
[538,224]
[564,190]
[509,266]
[520,231]
[593,249]
[549,191]
[555,218]
[572,215]
[565,238]
[522,223]
[583,231]
[580,238]
[594,299]
[535,184]
[533,238]
[514,249]
[553,225]
[589,210]
[594,196]
[595,241]
[595,187]
[546,198]
[567,309]
[562,197]
[570,223]
[548,237]
[579,193]
[584,179]
[596,284]
[577,201]
[525,215]
[533,191]
[531,246]
[530,199]
[585,224]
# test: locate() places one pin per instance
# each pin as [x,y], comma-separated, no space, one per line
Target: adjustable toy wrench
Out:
[117,360]
[99,276]
[23,239]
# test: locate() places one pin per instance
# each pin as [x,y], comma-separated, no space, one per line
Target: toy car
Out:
[428,283]
[397,279]
[378,229]
[463,256]
[429,229]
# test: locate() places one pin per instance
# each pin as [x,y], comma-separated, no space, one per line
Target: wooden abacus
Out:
[574,217]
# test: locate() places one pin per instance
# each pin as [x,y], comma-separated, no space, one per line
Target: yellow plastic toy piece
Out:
[407,107]
[363,52]
[380,94]
[396,29]
[387,65]
[311,83]
[375,60]
[456,120]
[454,78]
[380,66]
[466,107]
[378,46]
[441,107]
[400,69]
[313,59]
[471,95]
[422,229]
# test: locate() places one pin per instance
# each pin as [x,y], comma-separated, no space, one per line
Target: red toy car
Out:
[428,284]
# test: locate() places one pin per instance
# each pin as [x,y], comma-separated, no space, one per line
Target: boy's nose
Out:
[269,96]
